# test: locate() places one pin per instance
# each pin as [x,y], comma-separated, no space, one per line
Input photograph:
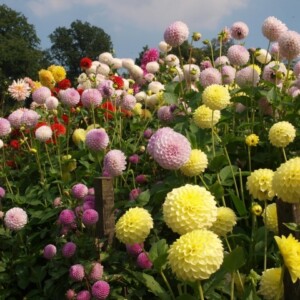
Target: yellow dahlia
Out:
[46,78]
[196,164]
[78,136]
[188,208]
[281,134]
[216,96]
[226,219]
[134,226]
[59,73]
[196,255]
[270,285]
[286,181]
[289,248]
[270,217]
[137,110]
[259,184]
[252,140]
[204,117]
[256,68]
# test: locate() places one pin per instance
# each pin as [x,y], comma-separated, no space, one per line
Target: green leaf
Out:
[186,297]
[158,254]
[217,190]
[151,284]
[170,98]
[238,203]
[218,162]
[143,198]
[292,226]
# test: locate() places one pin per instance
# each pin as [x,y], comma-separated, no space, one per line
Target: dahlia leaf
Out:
[238,203]
[158,254]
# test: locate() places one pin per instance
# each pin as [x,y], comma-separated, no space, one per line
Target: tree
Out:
[20,55]
[69,45]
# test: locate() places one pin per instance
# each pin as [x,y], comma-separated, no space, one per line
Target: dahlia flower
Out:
[70,97]
[186,205]
[282,133]
[226,219]
[5,127]
[274,72]
[262,56]
[196,164]
[49,251]
[247,76]
[97,139]
[135,249]
[252,140]
[100,290]
[91,98]
[114,162]
[172,60]
[196,255]
[176,34]
[79,190]
[216,97]
[259,184]
[66,217]
[143,261]
[272,28]
[96,272]
[228,74]
[83,295]
[134,226]
[164,47]
[289,44]
[286,181]
[270,284]
[204,117]
[46,78]
[90,217]
[78,136]
[210,76]
[43,133]
[106,58]
[238,55]
[239,30]
[15,117]
[19,90]
[51,103]
[221,61]
[15,218]
[270,217]
[191,72]
[59,73]
[2,192]
[289,248]
[76,272]
[30,118]
[164,113]
[68,249]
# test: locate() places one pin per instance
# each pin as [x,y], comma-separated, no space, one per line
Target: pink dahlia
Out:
[106,88]
[68,249]
[150,56]
[96,272]
[143,261]
[41,94]
[134,159]
[43,133]
[164,113]
[76,272]
[272,28]
[114,162]
[15,117]
[90,217]
[210,76]
[205,64]
[228,74]
[2,192]
[169,148]
[69,97]
[274,72]
[134,193]
[296,69]
[238,55]
[221,61]
[239,30]
[49,251]
[5,127]
[148,133]
[289,44]
[134,249]
[88,204]
[79,190]
[51,103]
[176,34]
[19,90]
[70,294]
[247,76]
[100,290]
[83,295]
[15,218]
[30,118]
[128,102]
[91,98]
[66,217]
[97,139]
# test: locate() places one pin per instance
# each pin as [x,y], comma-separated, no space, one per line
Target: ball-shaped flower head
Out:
[196,164]
[90,217]
[252,140]
[96,272]
[247,76]
[100,290]
[5,127]
[210,76]
[79,190]
[259,184]
[43,133]
[286,181]
[15,117]
[270,217]
[196,255]
[186,205]
[59,73]
[216,97]
[134,249]
[238,55]
[68,249]
[272,28]
[76,272]
[49,251]
[274,72]
[262,56]
[15,218]
[176,34]
[143,261]
[70,294]
[96,139]
[221,61]
[41,94]
[78,136]
[83,295]
[2,192]
[296,69]
[191,72]
[69,97]
[164,113]
[51,103]
[226,220]
[91,98]
[270,284]
[66,217]
[228,74]
[204,117]
[134,226]
[169,148]
[289,248]
[128,102]
[114,162]
[30,118]
[281,134]
[289,44]
[239,30]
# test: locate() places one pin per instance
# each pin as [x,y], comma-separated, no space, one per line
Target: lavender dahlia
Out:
[239,30]
[114,162]
[97,139]
[210,76]
[15,218]
[5,127]
[16,116]
[41,94]
[70,97]
[91,98]
[238,55]
[29,118]
[272,28]
[49,251]
[176,34]
[289,44]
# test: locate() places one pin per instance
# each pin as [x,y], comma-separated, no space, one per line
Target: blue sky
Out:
[133,24]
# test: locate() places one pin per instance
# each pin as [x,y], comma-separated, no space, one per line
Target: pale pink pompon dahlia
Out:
[176,34]
[289,44]
[15,218]
[272,28]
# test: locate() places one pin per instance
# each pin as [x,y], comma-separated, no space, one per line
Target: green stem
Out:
[232,288]
[201,294]
[284,154]
[167,284]
[249,158]
[265,237]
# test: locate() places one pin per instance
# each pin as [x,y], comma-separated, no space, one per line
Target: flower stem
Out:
[167,284]
[200,290]
[265,237]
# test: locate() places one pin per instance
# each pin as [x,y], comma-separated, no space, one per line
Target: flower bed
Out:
[202,159]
